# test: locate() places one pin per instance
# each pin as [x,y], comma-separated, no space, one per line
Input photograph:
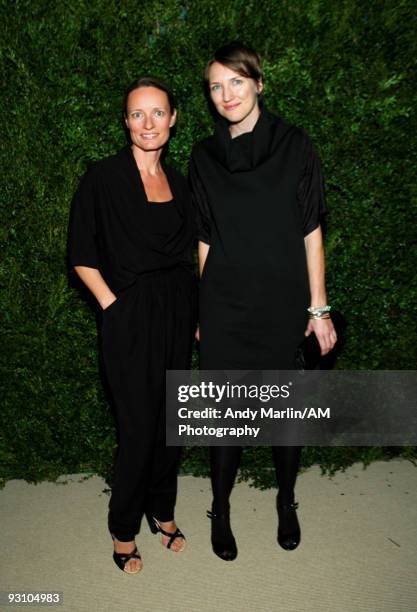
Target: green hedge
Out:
[345,71]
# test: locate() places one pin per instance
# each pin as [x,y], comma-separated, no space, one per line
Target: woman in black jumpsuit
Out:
[131,238]
[258,189]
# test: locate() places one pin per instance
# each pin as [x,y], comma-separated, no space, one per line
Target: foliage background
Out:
[344,71]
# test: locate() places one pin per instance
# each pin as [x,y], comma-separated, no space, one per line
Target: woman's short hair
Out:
[238,57]
[150,81]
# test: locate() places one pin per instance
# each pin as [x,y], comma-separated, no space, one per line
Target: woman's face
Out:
[149,118]
[234,96]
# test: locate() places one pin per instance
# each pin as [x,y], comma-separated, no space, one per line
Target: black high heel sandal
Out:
[121,559]
[222,539]
[155,527]
[289,534]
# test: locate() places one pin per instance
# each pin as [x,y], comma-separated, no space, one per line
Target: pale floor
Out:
[358,550]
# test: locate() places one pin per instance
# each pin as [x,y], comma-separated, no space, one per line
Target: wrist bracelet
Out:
[319,310]
[323,316]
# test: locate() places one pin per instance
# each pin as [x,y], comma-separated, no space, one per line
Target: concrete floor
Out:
[358,550]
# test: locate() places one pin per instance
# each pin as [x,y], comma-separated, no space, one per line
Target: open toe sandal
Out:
[155,527]
[121,559]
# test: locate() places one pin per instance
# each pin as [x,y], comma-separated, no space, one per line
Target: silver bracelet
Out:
[323,316]
[319,311]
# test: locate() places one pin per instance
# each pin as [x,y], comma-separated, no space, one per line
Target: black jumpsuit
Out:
[257,196]
[144,252]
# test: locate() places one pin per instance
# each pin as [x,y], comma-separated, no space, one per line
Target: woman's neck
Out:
[148,162]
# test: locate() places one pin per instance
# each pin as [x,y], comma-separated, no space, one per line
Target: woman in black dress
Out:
[259,193]
[130,241]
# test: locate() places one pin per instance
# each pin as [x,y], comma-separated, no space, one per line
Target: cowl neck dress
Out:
[257,196]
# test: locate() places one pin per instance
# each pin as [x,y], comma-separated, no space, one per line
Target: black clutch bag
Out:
[308,355]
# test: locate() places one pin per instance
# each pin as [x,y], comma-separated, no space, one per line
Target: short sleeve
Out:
[82,247]
[310,191]
[201,204]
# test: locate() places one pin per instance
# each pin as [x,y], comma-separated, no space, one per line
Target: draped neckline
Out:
[174,242]
[136,177]
[248,150]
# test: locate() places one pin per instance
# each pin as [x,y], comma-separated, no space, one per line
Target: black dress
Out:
[144,252]
[257,196]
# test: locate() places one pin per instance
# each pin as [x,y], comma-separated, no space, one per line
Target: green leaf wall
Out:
[344,71]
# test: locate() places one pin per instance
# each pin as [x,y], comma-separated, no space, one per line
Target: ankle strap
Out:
[214,515]
[292,506]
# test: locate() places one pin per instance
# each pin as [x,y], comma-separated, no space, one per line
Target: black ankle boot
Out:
[222,540]
[289,534]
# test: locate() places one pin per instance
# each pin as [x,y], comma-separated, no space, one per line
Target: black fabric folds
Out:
[111,229]
[247,152]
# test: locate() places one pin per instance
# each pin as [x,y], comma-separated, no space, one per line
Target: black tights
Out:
[224,463]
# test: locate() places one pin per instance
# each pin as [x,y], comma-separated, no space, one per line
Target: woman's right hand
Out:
[108,301]
[93,279]
[197,334]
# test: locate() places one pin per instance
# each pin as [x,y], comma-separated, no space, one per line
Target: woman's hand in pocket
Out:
[108,301]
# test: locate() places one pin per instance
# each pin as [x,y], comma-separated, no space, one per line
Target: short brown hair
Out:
[238,57]
[150,81]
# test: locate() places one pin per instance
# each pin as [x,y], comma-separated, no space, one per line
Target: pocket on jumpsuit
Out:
[112,336]
[112,305]
[107,317]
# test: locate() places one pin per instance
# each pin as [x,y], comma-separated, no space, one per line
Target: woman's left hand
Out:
[325,333]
